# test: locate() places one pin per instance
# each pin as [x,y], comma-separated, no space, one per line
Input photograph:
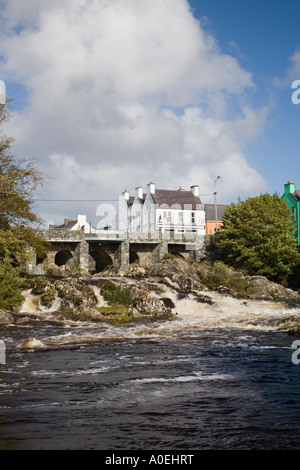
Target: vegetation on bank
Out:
[257,239]
[115,295]
[217,275]
[11,286]
[119,301]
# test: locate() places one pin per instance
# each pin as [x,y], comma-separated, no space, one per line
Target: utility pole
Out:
[215,197]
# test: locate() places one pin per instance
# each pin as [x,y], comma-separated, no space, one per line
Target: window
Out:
[167,217]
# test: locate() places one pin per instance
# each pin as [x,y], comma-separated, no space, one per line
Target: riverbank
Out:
[177,356]
[144,295]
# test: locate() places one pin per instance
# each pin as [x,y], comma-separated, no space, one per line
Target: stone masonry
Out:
[72,251]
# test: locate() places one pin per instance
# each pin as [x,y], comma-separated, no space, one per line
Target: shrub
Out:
[218,274]
[11,286]
[114,295]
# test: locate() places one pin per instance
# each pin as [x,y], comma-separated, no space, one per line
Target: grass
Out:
[219,274]
[119,301]
[118,314]
[116,296]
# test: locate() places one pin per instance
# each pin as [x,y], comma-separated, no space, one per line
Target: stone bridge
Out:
[98,252]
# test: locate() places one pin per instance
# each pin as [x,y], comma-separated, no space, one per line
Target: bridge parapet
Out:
[62,235]
[95,252]
[169,237]
[135,237]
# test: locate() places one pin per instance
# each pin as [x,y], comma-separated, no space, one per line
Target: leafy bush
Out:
[218,274]
[11,286]
[114,295]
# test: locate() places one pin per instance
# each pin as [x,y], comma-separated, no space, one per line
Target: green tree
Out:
[11,286]
[19,179]
[257,237]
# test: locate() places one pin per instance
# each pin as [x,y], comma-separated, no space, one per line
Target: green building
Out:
[292,197]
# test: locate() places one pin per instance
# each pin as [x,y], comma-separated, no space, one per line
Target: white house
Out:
[162,210]
[70,224]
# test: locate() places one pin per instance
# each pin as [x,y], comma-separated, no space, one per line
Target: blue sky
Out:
[264,35]
[111,95]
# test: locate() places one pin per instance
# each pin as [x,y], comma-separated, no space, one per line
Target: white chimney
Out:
[151,188]
[81,219]
[195,190]
[126,195]
[139,192]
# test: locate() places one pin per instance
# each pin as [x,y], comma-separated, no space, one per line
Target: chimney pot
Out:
[126,195]
[139,192]
[151,188]
[195,190]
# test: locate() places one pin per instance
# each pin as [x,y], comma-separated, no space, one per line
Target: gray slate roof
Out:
[210,211]
[133,198]
[67,226]
[182,199]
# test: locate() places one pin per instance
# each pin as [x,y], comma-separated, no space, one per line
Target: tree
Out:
[19,179]
[11,286]
[257,237]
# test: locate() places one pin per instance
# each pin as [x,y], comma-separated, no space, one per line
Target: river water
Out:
[219,377]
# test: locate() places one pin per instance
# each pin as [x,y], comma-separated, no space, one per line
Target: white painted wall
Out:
[147,218]
[81,220]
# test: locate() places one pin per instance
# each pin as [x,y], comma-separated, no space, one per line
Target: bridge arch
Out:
[41,257]
[99,261]
[62,257]
[133,257]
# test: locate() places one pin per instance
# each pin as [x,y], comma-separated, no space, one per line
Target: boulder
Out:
[76,296]
[147,304]
[177,273]
[6,318]
[260,288]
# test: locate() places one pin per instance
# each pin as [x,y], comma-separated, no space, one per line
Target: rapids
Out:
[222,312]
[218,376]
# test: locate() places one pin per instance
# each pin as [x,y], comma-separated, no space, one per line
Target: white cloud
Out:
[122,92]
[291,73]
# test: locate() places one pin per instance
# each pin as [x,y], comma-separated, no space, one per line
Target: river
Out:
[220,377]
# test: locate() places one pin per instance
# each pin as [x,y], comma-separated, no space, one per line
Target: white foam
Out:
[198,376]
[221,312]
[71,373]
[32,304]
[33,343]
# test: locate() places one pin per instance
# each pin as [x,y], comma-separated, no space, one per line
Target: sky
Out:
[112,94]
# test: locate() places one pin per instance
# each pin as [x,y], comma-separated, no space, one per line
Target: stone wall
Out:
[76,251]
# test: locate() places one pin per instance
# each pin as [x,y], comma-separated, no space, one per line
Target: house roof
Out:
[66,226]
[180,198]
[133,198]
[210,211]
[296,195]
